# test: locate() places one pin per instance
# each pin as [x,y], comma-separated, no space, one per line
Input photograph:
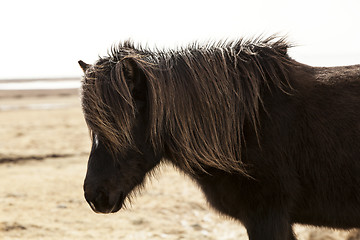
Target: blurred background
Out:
[44,142]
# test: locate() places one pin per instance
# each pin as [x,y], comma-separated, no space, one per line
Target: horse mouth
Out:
[106,204]
[119,203]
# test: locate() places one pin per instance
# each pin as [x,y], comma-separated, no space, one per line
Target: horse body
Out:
[293,156]
[306,168]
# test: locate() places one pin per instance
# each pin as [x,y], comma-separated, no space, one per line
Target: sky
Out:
[42,39]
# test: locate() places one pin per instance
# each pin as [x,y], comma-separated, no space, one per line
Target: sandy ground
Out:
[43,157]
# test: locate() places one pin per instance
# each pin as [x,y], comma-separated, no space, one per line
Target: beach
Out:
[44,148]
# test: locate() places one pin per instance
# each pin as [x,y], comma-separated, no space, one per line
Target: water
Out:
[12,85]
[35,106]
[38,94]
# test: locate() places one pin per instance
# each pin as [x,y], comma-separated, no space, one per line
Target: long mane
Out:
[199,97]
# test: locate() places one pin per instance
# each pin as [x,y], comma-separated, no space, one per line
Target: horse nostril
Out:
[89,200]
[92,206]
[98,200]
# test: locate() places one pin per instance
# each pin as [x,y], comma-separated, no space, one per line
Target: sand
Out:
[44,146]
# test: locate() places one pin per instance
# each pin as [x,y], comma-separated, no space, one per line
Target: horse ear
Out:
[129,68]
[84,66]
[135,78]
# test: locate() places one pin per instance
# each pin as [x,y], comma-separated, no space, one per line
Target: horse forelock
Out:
[108,105]
[199,97]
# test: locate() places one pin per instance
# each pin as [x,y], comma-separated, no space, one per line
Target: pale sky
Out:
[47,38]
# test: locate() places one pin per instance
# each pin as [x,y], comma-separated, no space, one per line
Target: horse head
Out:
[115,109]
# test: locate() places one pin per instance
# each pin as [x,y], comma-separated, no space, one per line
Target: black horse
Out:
[270,141]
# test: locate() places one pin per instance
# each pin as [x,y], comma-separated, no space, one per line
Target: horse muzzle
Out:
[102,202]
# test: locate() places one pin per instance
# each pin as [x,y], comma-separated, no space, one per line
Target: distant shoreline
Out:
[36,87]
[37,93]
[19,80]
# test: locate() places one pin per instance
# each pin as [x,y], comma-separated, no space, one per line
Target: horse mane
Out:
[198,97]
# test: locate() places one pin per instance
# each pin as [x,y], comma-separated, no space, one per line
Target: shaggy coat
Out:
[270,141]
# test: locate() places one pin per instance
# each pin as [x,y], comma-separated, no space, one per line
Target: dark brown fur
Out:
[270,141]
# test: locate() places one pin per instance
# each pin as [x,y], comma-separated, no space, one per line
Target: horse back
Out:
[322,143]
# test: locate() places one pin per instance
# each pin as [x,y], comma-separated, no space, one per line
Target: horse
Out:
[270,141]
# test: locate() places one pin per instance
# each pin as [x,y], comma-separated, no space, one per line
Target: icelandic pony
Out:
[270,141]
